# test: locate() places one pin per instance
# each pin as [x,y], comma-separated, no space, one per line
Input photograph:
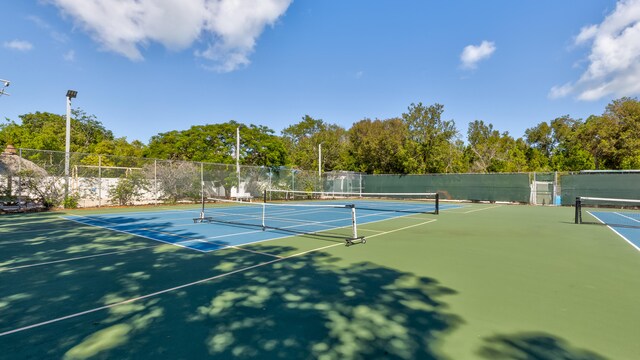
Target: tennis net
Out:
[427,203]
[607,211]
[323,220]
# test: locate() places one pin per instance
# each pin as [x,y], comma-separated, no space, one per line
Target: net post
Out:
[264,196]
[354,226]
[578,216]
[202,189]
[437,203]
[264,209]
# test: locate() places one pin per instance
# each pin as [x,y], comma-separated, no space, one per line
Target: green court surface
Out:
[482,281]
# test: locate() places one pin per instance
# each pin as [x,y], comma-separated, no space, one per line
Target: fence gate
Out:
[543,188]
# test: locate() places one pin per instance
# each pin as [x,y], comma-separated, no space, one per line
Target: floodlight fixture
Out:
[71,94]
[5,84]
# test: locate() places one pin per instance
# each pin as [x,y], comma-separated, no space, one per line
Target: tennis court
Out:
[486,281]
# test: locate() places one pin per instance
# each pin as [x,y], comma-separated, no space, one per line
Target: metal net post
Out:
[578,219]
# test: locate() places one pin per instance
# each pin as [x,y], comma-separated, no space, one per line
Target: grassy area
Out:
[480,282]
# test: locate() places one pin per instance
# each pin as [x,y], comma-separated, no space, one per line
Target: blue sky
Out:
[150,66]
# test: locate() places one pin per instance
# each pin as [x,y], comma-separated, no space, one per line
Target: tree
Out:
[176,180]
[47,131]
[217,143]
[484,146]
[129,188]
[491,151]
[431,139]
[625,113]
[379,146]
[598,136]
[302,141]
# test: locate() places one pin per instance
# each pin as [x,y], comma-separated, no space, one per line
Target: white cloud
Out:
[19,45]
[472,54]
[229,28]
[56,35]
[69,56]
[614,60]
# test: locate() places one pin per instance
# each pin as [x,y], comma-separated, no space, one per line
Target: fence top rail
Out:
[108,167]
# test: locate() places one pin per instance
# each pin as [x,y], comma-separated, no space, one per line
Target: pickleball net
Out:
[337,221]
[426,203]
[608,211]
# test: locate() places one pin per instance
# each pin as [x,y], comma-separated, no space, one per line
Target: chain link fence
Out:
[50,178]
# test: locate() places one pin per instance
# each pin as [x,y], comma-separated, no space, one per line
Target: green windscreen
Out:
[620,185]
[474,187]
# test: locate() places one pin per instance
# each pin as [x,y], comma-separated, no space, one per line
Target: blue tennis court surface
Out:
[625,224]
[178,228]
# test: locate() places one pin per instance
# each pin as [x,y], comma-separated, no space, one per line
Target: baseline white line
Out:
[109,306]
[189,239]
[180,243]
[223,246]
[128,233]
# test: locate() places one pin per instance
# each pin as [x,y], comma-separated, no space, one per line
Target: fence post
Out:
[19,179]
[99,180]
[155,181]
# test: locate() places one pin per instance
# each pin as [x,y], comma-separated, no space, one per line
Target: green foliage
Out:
[216,143]
[177,180]
[379,146]
[419,141]
[47,190]
[47,131]
[129,188]
[431,143]
[302,142]
[70,202]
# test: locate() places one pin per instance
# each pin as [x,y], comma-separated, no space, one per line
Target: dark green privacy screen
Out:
[475,187]
[607,185]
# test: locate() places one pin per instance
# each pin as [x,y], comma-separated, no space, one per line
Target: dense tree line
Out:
[416,142]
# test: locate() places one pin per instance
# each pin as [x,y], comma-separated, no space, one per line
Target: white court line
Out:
[615,231]
[205,240]
[128,233]
[188,239]
[75,258]
[628,217]
[128,301]
[179,243]
[475,210]
[238,247]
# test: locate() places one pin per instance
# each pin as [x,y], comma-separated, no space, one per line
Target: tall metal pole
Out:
[238,151]
[238,159]
[320,160]
[70,95]
[319,183]
[67,146]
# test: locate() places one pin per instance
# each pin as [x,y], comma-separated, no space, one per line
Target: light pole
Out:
[238,160]
[71,94]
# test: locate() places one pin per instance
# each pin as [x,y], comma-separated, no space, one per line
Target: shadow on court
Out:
[533,346]
[303,307]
